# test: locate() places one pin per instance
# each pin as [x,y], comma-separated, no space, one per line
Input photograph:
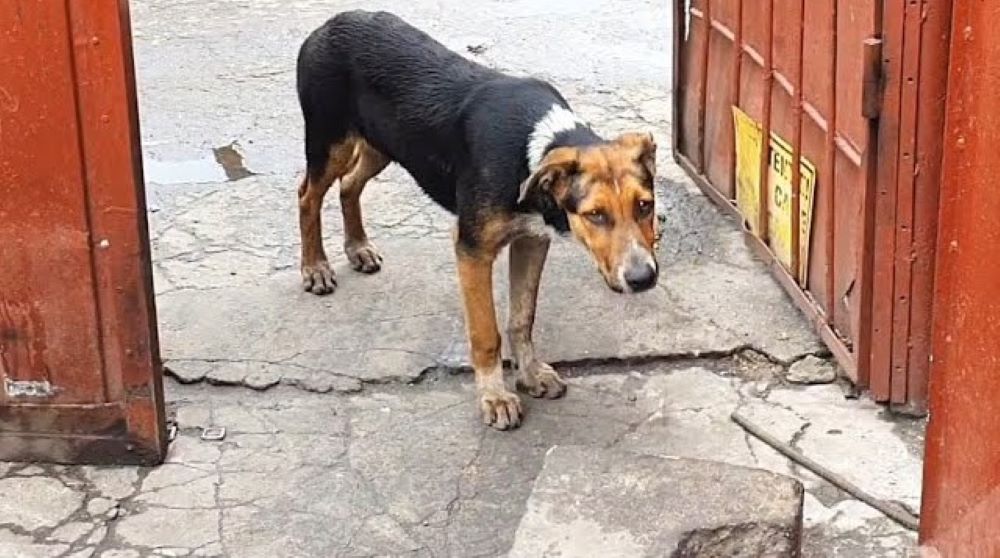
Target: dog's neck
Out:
[560,127]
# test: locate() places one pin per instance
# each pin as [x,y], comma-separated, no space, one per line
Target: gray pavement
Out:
[575,508]
[351,426]
[408,469]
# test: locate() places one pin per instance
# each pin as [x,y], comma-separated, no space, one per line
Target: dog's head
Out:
[606,191]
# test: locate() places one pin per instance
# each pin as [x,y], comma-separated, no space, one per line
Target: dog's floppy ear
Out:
[645,148]
[553,175]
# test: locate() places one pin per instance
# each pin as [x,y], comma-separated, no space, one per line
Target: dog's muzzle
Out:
[638,271]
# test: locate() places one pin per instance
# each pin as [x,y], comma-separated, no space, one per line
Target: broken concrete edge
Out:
[719,541]
[347,384]
[783,538]
[685,356]
[352,385]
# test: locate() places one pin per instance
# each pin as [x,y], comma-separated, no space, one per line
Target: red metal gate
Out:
[79,362]
[911,126]
[961,504]
[830,88]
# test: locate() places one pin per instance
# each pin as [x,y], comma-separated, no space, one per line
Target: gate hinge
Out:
[871,83]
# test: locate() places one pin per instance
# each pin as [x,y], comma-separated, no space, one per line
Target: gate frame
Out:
[128,426]
[961,482]
[903,63]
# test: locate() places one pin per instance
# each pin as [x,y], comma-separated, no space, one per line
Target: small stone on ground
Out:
[812,370]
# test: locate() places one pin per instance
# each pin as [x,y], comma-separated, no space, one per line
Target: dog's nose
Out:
[640,277]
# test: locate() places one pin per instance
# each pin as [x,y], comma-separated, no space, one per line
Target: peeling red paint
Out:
[961,499]
[22,343]
[77,320]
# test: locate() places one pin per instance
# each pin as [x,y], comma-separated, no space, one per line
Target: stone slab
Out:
[593,502]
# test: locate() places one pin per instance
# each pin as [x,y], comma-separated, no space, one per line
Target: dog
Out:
[506,155]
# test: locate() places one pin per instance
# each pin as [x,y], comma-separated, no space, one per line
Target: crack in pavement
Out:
[475,491]
[798,435]
[570,368]
[217,497]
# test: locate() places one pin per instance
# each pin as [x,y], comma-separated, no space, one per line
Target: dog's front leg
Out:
[527,258]
[501,408]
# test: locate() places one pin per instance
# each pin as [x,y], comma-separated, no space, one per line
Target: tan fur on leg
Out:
[363,255]
[500,408]
[527,259]
[317,276]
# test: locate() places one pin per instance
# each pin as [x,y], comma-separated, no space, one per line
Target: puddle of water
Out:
[224,164]
[197,171]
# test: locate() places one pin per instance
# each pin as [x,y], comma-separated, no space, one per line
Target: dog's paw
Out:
[541,380]
[364,256]
[318,278]
[501,409]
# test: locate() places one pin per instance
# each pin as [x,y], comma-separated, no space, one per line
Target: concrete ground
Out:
[351,428]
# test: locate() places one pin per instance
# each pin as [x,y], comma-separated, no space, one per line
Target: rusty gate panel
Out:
[720,92]
[819,113]
[906,164]
[885,208]
[933,83]
[45,250]
[79,362]
[691,70]
[754,67]
[804,84]
[857,21]
[837,85]
[960,513]
[911,126]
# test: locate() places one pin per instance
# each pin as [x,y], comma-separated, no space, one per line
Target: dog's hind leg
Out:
[326,164]
[363,255]
[527,258]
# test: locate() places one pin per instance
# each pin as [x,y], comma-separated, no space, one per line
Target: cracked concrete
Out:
[214,273]
[575,508]
[408,470]
[351,427]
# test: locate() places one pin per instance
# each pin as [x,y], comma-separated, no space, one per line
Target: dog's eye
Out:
[644,208]
[597,217]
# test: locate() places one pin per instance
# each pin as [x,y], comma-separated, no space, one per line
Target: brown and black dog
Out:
[506,155]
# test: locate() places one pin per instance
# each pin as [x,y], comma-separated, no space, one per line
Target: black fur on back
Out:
[460,129]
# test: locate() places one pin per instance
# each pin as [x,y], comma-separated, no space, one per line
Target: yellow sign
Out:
[748,157]
[779,191]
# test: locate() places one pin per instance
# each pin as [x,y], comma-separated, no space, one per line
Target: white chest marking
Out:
[558,119]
